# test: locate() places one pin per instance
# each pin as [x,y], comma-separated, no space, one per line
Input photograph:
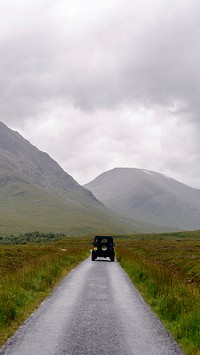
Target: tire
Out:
[112,258]
[104,247]
[93,257]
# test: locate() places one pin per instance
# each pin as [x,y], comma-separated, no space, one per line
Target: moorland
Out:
[164,267]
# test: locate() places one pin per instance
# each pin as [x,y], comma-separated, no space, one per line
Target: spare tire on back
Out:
[104,247]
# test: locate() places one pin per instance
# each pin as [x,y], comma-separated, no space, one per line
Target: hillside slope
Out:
[148,196]
[37,194]
[23,163]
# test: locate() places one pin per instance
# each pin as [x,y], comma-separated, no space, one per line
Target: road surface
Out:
[95,310]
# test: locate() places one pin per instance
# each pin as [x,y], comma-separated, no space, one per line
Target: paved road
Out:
[95,310]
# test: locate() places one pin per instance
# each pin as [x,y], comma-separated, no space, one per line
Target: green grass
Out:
[28,274]
[164,267]
[166,270]
[28,207]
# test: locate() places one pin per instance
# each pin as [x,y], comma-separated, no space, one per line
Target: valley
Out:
[36,194]
[47,223]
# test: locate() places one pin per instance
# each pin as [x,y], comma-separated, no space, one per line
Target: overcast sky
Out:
[99,84]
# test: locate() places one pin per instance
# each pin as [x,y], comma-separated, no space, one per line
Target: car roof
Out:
[103,236]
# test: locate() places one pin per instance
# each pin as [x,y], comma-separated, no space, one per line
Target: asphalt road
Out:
[95,310]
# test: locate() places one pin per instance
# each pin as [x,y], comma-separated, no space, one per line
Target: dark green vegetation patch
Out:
[32,237]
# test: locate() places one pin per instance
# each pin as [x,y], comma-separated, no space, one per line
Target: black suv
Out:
[103,246]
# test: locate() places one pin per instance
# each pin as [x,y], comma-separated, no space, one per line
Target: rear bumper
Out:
[103,254]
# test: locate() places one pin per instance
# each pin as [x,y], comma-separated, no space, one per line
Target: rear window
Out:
[104,240]
[101,240]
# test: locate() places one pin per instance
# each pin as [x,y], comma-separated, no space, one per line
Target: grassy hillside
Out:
[148,196]
[166,270]
[27,208]
[37,194]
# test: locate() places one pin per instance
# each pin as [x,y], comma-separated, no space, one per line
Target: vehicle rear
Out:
[103,246]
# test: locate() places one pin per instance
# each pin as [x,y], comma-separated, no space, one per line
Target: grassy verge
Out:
[29,272]
[166,270]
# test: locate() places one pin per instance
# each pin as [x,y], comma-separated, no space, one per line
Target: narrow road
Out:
[95,310]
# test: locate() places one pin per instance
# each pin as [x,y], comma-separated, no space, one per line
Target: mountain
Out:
[148,196]
[37,194]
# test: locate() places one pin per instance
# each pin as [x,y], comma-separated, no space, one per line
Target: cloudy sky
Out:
[99,84]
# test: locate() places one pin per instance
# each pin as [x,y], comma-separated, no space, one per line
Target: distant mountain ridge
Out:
[148,196]
[37,194]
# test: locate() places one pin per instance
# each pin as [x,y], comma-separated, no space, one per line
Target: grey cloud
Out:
[82,64]
[131,53]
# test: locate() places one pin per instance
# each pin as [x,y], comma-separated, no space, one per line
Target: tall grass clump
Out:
[167,273]
[29,272]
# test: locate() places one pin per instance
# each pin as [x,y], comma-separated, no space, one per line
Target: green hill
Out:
[37,194]
[148,196]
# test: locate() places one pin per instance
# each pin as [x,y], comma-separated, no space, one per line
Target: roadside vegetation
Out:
[166,270]
[164,267]
[29,272]
[31,237]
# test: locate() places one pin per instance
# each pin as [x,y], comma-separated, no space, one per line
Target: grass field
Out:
[164,267]
[166,270]
[29,272]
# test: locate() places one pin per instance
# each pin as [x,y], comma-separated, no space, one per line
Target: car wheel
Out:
[112,258]
[93,257]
